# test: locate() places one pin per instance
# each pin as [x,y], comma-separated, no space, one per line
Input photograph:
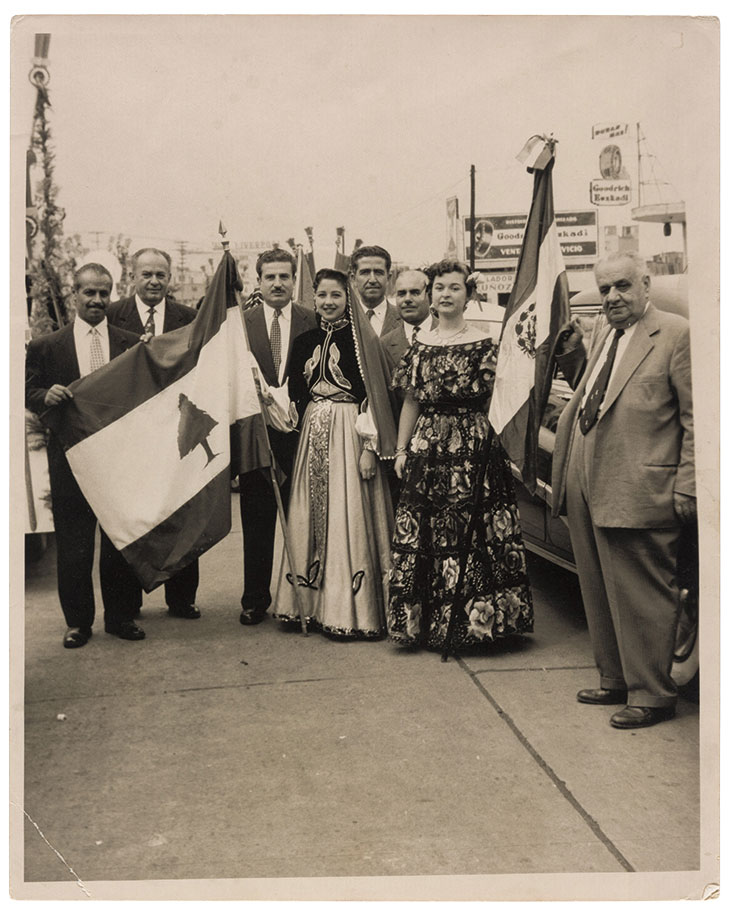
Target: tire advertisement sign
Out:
[615,150]
[498,238]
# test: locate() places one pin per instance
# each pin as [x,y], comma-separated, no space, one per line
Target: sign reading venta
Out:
[498,239]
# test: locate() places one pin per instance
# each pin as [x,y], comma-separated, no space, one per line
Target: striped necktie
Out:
[589,416]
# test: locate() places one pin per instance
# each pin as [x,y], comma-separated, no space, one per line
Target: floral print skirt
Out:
[436,502]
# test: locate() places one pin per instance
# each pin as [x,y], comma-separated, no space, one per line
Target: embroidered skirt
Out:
[340,528]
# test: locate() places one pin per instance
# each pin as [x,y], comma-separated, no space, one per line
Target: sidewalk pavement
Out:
[216,751]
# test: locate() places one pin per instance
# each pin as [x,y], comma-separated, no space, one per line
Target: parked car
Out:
[550,537]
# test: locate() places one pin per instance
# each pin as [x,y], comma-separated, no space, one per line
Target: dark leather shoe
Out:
[252,615]
[602,696]
[184,612]
[125,630]
[76,637]
[633,716]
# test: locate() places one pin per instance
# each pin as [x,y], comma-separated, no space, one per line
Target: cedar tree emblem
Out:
[193,429]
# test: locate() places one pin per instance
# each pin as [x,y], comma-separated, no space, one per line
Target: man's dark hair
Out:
[96,268]
[277,255]
[369,250]
[141,251]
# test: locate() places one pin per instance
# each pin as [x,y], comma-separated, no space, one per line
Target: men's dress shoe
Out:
[252,615]
[184,612]
[76,637]
[633,716]
[126,630]
[602,696]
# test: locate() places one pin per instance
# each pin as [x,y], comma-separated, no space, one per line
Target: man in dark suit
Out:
[413,303]
[272,326]
[623,467]
[369,271]
[150,312]
[52,363]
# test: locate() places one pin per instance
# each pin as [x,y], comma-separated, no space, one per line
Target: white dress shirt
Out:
[409,328]
[82,341]
[379,312]
[285,327]
[158,317]
[620,350]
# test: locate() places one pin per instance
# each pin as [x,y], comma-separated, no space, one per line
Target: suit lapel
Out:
[173,318]
[391,321]
[117,344]
[258,340]
[68,359]
[128,318]
[298,326]
[640,345]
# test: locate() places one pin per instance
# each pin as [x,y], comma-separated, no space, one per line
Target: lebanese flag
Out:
[147,436]
[538,307]
[304,289]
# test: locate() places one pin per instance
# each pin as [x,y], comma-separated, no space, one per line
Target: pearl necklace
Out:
[451,336]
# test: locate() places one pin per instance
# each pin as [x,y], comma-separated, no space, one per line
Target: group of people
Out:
[400,502]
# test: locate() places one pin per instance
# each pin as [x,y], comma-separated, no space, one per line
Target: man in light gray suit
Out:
[623,467]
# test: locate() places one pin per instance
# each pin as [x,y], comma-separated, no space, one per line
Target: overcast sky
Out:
[164,125]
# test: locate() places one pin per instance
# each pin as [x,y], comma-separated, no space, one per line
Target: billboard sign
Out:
[608,131]
[605,192]
[498,239]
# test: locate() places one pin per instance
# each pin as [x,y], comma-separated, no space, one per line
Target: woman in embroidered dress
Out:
[448,374]
[340,514]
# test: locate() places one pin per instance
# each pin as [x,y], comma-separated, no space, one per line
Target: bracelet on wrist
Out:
[400,451]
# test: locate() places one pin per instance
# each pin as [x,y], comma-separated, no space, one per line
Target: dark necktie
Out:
[590,411]
[415,332]
[275,342]
[369,312]
[149,327]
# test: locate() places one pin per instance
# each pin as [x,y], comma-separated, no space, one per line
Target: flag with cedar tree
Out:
[147,435]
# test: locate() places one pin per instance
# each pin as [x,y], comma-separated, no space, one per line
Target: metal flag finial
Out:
[223,231]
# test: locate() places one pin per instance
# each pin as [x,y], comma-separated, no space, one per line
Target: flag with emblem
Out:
[147,435]
[538,307]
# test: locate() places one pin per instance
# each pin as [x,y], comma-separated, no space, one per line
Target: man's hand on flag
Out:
[570,337]
[57,394]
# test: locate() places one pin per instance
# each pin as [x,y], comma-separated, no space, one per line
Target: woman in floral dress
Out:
[340,513]
[447,375]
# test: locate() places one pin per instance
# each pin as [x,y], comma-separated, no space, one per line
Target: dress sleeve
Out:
[298,387]
[404,375]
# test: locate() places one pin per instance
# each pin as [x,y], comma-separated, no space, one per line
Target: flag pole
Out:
[272,459]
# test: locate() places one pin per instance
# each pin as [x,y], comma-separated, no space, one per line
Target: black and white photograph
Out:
[361,544]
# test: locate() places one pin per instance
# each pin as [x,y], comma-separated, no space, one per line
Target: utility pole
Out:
[181,253]
[472,252]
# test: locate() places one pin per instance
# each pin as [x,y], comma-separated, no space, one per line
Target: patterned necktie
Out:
[275,342]
[95,351]
[149,327]
[590,411]
[414,336]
